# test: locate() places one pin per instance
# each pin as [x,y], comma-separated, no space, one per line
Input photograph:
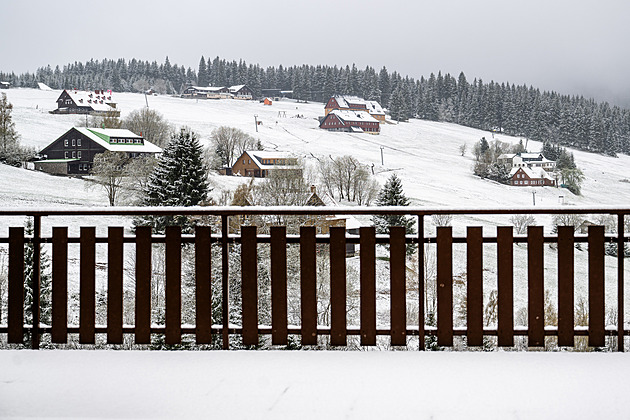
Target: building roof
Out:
[97,101]
[236,88]
[353,116]
[373,107]
[103,137]
[533,173]
[258,156]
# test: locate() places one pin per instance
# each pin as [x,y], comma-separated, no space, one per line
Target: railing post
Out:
[225,281]
[37,227]
[620,282]
[420,282]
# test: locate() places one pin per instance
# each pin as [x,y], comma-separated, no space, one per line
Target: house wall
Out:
[334,123]
[246,167]
[55,168]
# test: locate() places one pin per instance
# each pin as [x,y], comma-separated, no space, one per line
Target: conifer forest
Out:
[563,120]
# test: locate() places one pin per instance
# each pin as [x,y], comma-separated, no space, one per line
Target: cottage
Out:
[532,177]
[73,152]
[350,121]
[5,85]
[353,103]
[98,102]
[241,92]
[259,164]
[267,101]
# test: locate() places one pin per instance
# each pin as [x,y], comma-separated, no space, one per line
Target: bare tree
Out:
[150,124]
[349,178]
[230,143]
[108,171]
[462,149]
[442,219]
[521,222]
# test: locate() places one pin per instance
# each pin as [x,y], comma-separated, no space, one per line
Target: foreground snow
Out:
[312,385]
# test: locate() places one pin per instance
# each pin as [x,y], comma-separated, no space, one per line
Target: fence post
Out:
[225,281]
[421,282]
[37,227]
[620,285]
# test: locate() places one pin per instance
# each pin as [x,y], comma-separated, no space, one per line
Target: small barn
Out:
[267,101]
[5,85]
[73,152]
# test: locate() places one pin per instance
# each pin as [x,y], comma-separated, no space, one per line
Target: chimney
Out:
[313,189]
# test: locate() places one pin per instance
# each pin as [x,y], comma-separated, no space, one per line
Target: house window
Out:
[79,154]
[114,141]
[65,143]
[65,155]
[78,142]
[74,155]
[73,142]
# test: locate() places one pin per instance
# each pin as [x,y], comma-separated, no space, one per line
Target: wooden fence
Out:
[249,239]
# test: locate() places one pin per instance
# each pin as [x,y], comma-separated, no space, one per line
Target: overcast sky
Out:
[575,47]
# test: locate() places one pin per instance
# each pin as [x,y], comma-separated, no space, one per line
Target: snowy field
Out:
[424,154]
[312,385]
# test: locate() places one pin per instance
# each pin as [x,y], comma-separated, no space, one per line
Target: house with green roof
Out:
[73,152]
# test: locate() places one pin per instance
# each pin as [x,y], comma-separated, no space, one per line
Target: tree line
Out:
[571,121]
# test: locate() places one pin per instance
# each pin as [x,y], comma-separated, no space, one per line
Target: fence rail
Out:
[249,239]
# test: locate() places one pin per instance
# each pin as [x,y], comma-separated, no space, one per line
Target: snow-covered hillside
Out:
[425,155]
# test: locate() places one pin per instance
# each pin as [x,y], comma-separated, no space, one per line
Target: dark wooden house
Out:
[350,121]
[73,152]
[98,102]
[242,92]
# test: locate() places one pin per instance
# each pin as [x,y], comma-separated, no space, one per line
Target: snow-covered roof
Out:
[258,156]
[97,101]
[373,107]
[353,116]
[533,173]
[236,88]
[208,88]
[102,136]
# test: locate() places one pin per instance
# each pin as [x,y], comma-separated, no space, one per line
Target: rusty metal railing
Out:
[249,239]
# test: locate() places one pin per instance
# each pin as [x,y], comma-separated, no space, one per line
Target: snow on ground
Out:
[424,154]
[312,385]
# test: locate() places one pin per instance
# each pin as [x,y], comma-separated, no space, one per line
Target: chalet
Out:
[5,85]
[208,92]
[526,160]
[350,121]
[531,177]
[241,92]
[353,103]
[98,102]
[73,152]
[259,164]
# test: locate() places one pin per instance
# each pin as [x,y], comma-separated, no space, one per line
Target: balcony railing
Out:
[224,238]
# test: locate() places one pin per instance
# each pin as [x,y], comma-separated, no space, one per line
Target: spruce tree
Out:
[392,195]
[180,178]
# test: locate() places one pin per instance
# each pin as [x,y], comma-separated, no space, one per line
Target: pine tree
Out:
[180,178]
[392,195]
[202,74]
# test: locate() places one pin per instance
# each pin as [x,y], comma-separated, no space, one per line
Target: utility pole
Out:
[534,197]
[256,121]
[382,155]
